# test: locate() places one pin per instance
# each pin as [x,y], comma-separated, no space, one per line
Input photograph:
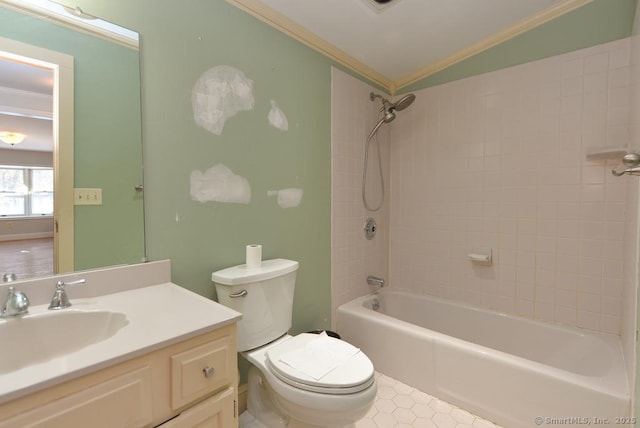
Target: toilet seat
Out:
[354,375]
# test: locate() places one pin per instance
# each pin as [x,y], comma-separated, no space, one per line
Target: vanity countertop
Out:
[158,316]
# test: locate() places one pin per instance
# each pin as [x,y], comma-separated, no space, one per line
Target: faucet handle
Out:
[60,300]
[62,284]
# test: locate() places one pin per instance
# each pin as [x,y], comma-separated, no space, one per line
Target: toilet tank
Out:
[263,295]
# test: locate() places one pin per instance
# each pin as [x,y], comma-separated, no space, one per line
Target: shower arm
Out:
[387,105]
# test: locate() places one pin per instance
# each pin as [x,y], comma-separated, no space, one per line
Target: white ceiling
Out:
[409,37]
[26,105]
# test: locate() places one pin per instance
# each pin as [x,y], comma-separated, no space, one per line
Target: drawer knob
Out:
[208,371]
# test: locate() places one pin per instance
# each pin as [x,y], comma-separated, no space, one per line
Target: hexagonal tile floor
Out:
[401,406]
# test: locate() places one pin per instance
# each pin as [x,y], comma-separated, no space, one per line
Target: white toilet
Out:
[307,380]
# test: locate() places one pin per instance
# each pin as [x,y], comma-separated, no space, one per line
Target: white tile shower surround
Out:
[400,406]
[353,258]
[498,160]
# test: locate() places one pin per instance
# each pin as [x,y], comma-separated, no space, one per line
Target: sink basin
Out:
[36,338]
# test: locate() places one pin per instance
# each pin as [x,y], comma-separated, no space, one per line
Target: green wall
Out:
[181,41]
[107,147]
[598,22]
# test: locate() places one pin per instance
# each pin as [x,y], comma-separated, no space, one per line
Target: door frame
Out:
[63,140]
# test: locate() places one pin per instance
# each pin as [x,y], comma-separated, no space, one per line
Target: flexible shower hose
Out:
[364,174]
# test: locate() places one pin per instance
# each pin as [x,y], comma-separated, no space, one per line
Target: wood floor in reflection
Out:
[27,258]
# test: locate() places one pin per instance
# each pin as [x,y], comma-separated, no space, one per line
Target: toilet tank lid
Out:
[241,274]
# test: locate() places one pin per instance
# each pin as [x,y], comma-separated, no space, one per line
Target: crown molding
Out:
[275,19]
[508,33]
[16,102]
[280,22]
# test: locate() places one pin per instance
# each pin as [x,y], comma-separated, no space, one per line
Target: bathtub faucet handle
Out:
[374,280]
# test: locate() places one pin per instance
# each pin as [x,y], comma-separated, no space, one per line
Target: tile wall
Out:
[498,161]
[630,291]
[353,258]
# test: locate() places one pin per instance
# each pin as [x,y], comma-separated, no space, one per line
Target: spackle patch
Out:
[219,184]
[277,118]
[287,198]
[220,93]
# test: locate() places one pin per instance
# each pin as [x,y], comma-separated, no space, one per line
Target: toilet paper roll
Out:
[254,256]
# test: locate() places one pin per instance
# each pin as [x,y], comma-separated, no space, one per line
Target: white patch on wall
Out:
[277,118]
[287,198]
[220,93]
[219,184]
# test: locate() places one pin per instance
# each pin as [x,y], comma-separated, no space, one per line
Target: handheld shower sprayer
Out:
[388,111]
[399,105]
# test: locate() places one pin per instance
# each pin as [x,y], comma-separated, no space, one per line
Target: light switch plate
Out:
[85,196]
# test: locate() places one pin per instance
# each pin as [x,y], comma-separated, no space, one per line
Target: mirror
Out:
[105,141]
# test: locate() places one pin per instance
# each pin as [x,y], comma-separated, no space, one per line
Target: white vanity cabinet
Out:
[192,383]
[214,412]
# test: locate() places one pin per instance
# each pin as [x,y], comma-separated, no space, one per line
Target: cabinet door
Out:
[122,402]
[202,370]
[215,412]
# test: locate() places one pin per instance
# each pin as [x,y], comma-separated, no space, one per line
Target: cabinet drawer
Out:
[202,370]
[122,402]
[215,412]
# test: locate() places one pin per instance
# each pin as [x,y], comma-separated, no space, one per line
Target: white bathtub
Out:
[507,369]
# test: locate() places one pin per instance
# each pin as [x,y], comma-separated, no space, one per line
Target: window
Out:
[25,191]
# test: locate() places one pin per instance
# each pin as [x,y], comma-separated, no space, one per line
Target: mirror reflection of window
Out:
[12,192]
[41,192]
[26,192]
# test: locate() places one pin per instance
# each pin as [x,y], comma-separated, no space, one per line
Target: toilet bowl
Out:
[307,380]
[341,398]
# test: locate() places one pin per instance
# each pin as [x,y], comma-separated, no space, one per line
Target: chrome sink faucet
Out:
[17,303]
[60,300]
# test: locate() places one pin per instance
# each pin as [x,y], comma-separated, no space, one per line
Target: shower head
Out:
[389,109]
[388,106]
[404,102]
